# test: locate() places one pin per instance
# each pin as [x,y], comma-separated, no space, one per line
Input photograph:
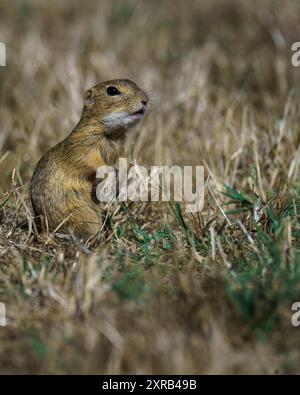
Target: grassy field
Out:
[162,291]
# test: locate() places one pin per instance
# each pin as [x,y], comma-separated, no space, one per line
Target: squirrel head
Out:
[115,104]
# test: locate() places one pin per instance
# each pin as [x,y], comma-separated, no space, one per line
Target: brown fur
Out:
[62,185]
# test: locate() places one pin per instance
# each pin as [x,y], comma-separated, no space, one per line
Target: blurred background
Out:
[194,58]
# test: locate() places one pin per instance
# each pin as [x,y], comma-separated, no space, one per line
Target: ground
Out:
[163,291]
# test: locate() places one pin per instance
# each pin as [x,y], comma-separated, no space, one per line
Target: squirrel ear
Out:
[89,99]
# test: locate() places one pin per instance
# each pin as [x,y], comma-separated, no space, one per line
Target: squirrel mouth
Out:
[122,119]
[140,112]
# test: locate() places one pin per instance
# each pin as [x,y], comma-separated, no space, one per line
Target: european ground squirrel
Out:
[63,182]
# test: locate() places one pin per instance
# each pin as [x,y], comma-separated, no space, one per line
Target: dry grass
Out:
[162,292]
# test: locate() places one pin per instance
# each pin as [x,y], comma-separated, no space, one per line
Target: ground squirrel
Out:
[62,185]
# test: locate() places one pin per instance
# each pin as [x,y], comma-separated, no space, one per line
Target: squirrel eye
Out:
[112,91]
